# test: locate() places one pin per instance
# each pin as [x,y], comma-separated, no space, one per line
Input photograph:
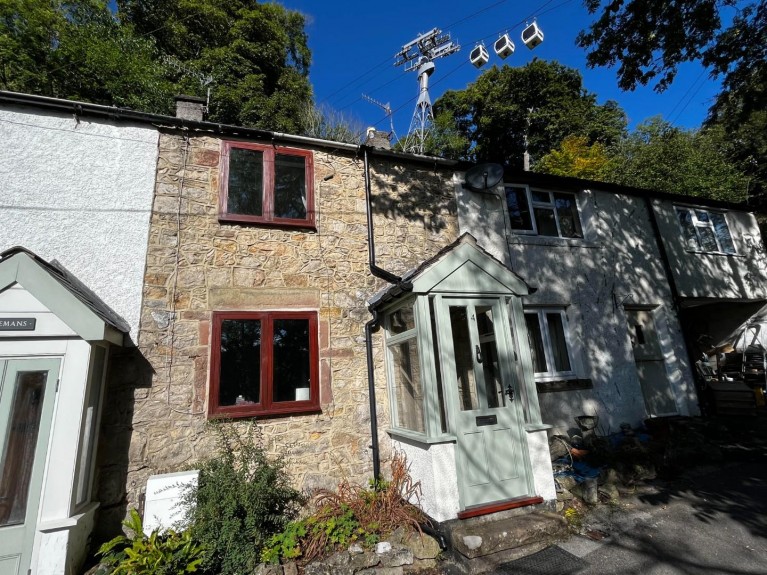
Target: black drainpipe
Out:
[373,325]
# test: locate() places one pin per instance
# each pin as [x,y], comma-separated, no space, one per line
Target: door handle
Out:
[510,392]
[479,355]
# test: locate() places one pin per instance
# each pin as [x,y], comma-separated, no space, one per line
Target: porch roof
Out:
[424,276]
[61,292]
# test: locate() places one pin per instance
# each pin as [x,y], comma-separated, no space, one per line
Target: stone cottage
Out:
[350,299]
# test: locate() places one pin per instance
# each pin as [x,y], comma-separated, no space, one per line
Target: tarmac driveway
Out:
[713,523]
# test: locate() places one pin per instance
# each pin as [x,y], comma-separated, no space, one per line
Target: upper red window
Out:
[267,184]
[264,363]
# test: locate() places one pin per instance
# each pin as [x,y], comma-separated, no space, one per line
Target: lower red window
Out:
[263,363]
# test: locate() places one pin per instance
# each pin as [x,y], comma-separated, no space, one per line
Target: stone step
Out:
[479,548]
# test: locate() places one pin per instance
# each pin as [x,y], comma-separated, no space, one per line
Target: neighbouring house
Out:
[351,299]
[75,197]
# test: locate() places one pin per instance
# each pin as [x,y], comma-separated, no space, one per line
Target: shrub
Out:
[350,514]
[168,553]
[242,498]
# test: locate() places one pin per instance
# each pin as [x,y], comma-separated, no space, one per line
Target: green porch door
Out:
[484,400]
[27,394]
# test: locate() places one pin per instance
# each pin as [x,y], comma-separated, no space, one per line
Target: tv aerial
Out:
[419,55]
[387,110]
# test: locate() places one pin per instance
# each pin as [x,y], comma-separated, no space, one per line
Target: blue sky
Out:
[353,45]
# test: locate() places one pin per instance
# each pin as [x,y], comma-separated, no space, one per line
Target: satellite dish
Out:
[483,177]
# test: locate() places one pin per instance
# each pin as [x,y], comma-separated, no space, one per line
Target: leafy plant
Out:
[167,553]
[241,500]
[350,514]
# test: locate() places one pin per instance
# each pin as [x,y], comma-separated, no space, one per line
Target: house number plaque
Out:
[17,324]
[486,420]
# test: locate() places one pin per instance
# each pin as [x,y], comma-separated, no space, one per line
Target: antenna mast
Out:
[419,54]
[387,110]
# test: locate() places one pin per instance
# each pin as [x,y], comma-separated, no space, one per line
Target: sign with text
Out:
[17,323]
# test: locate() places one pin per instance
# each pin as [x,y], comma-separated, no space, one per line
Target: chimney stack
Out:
[190,108]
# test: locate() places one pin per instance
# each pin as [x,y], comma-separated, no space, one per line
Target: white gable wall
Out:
[80,192]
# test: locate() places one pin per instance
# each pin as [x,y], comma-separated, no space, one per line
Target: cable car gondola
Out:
[479,56]
[532,35]
[504,46]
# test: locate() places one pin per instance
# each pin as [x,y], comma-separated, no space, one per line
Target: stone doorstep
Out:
[460,565]
[493,537]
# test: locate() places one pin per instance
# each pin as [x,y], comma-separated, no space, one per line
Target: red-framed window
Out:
[264,363]
[266,185]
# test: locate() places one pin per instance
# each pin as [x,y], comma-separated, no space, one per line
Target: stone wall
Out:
[156,407]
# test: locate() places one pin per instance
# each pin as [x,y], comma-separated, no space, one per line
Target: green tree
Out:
[575,158]
[649,39]
[660,157]
[488,121]
[78,50]
[253,56]
[746,143]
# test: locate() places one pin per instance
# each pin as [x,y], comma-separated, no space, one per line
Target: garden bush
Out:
[242,498]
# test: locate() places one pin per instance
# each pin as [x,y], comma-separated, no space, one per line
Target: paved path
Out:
[712,524]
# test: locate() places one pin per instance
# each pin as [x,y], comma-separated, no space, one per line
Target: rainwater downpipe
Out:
[373,325]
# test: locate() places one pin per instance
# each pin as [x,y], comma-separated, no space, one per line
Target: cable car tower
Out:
[419,54]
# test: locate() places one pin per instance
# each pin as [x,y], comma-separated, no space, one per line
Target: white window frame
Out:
[550,205]
[548,349]
[697,225]
[391,340]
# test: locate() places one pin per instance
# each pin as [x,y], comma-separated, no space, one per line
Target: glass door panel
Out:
[465,376]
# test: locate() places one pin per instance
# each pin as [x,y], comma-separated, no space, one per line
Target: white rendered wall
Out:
[434,466]
[540,461]
[616,264]
[80,192]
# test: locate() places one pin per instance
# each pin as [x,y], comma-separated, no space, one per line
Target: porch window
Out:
[705,230]
[264,363]
[549,345]
[543,213]
[405,366]
[267,185]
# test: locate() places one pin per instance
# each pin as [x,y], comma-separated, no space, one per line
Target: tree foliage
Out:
[254,57]
[576,158]
[649,39]
[660,157]
[545,101]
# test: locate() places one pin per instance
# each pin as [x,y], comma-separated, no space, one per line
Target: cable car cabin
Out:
[532,35]
[479,56]
[503,46]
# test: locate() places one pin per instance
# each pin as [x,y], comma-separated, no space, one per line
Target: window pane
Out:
[702,216]
[290,352]
[688,229]
[707,239]
[536,342]
[558,342]
[489,350]
[542,197]
[519,210]
[438,369]
[567,212]
[723,233]
[19,445]
[408,390]
[246,182]
[85,460]
[544,219]
[240,375]
[464,359]
[402,320]
[289,187]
